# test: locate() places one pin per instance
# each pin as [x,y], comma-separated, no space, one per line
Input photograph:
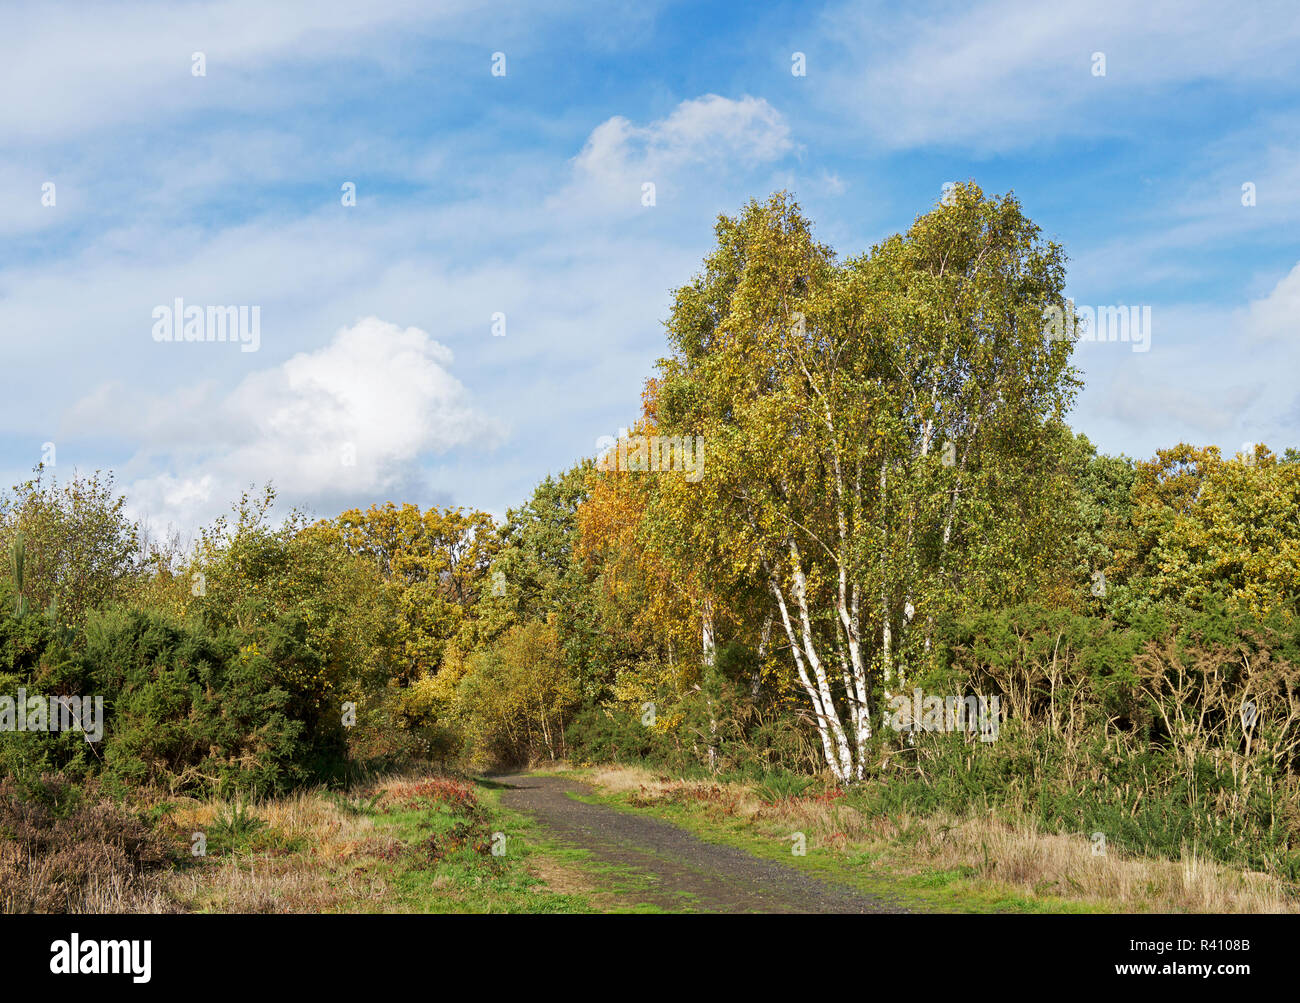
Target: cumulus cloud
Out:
[714,132]
[353,420]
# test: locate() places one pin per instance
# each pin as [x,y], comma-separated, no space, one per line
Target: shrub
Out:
[65,850]
[1137,732]
[200,713]
[614,735]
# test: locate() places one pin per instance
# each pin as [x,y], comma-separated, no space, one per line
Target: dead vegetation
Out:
[64,850]
[313,851]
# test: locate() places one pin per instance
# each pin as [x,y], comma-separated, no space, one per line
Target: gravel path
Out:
[683,871]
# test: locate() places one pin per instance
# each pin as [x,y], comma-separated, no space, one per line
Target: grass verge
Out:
[979,863]
[416,844]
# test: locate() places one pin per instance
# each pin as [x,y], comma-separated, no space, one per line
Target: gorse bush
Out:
[199,713]
[1179,731]
[614,735]
[185,708]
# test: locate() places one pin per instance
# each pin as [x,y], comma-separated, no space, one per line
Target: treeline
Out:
[884,498]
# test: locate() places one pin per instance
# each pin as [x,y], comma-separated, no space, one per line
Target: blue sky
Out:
[377,374]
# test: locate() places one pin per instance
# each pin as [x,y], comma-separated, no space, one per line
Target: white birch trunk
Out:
[843,751]
[826,718]
[706,632]
[756,680]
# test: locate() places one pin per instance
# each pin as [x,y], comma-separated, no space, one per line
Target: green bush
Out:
[1133,731]
[610,735]
[184,708]
[197,712]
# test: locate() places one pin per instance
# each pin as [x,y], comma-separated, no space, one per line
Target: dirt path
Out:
[683,872]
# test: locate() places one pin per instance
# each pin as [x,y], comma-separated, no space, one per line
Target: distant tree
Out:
[1205,529]
[1104,486]
[80,549]
[436,564]
[517,695]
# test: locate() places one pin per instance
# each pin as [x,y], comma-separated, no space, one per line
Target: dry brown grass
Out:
[74,851]
[293,883]
[618,779]
[331,867]
[311,854]
[1012,854]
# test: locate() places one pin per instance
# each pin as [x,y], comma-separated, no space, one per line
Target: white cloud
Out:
[583,302]
[1191,411]
[720,134]
[92,66]
[130,62]
[1013,73]
[1213,375]
[354,419]
[1277,316]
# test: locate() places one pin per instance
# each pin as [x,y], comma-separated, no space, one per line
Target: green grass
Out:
[446,864]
